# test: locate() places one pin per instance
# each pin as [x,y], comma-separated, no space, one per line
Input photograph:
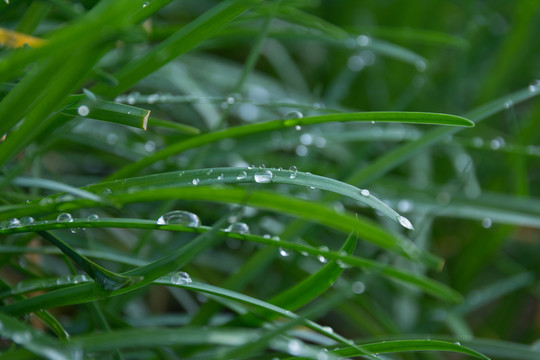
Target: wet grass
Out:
[268,180]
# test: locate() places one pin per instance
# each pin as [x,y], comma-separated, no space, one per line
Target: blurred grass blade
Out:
[398,346]
[316,284]
[108,280]
[203,28]
[401,117]
[111,112]
[33,340]
[181,128]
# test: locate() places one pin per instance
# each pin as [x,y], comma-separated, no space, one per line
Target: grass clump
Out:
[257,179]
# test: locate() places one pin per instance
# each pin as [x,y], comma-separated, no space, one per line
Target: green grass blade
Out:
[203,28]
[401,117]
[398,346]
[33,340]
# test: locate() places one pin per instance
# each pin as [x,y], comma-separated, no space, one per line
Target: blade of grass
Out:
[402,117]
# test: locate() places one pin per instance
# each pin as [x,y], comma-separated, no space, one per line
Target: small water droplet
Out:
[363,40]
[241,175]
[27,220]
[209,172]
[356,63]
[153,98]
[64,217]
[404,205]
[238,227]
[477,141]
[295,347]
[508,104]
[323,355]
[534,86]
[14,223]
[220,177]
[294,115]
[83,110]
[263,176]
[93,217]
[181,278]
[251,167]
[420,65]
[231,100]
[284,252]
[320,257]
[179,217]
[328,329]
[306,139]
[358,287]
[497,143]
[405,222]
[195,181]
[364,192]
[486,223]
[457,343]
[301,150]
[298,128]
[150,146]
[294,172]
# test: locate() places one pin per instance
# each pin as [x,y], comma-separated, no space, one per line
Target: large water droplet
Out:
[92,217]
[405,222]
[64,217]
[181,278]
[241,175]
[83,110]
[364,192]
[358,287]
[195,181]
[14,223]
[238,227]
[263,176]
[179,217]
[27,220]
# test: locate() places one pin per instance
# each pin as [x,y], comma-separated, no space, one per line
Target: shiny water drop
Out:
[263,176]
[508,104]
[238,227]
[364,192]
[14,223]
[363,40]
[241,175]
[306,139]
[153,98]
[195,181]
[457,343]
[486,223]
[358,287]
[301,150]
[284,252]
[93,217]
[328,329]
[150,146]
[356,63]
[404,205]
[420,65]
[251,167]
[83,110]
[323,355]
[220,177]
[534,86]
[403,221]
[179,217]
[27,220]
[295,347]
[320,257]
[64,217]
[181,278]
[294,172]
[294,115]
[298,128]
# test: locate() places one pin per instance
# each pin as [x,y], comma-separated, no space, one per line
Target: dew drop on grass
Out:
[486,223]
[508,104]
[263,176]
[14,223]
[83,110]
[220,177]
[27,220]
[457,343]
[298,128]
[241,175]
[364,192]
[64,217]
[92,217]
[363,40]
[294,115]
[301,150]
[534,86]
[323,355]
[181,278]
[358,287]
[294,172]
[404,205]
[251,167]
[403,221]
[420,65]
[320,257]
[195,181]
[295,347]
[179,217]
[284,252]
[238,227]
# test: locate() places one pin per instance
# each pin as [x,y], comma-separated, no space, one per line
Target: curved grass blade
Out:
[33,340]
[397,346]
[401,117]
[108,280]
[421,282]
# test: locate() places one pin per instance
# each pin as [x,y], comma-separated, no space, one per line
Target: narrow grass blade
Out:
[108,280]
[398,346]
[111,112]
[401,117]
[33,340]
[421,282]
[56,186]
[204,27]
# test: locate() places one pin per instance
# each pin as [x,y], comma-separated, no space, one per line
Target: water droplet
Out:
[46,201]
[356,63]
[14,223]
[179,217]
[238,227]
[358,287]
[405,222]
[241,175]
[298,128]
[112,138]
[294,172]
[420,65]
[323,355]
[262,166]
[131,99]
[153,98]
[294,115]
[150,146]
[251,167]
[497,143]
[231,100]
[92,217]
[220,177]
[263,176]
[328,329]
[105,191]
[284,252]
[320,257]
[534,86]
[320,142]
[508,104]
[27,220]
[363,40]
[181,278]
[486,223]
[195,181]
[209,172]
[64,217]
[83,110]
[295,347]
[145,4]
[301,150]
[477,142]
[364,192]
[306,139]
[457,343]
